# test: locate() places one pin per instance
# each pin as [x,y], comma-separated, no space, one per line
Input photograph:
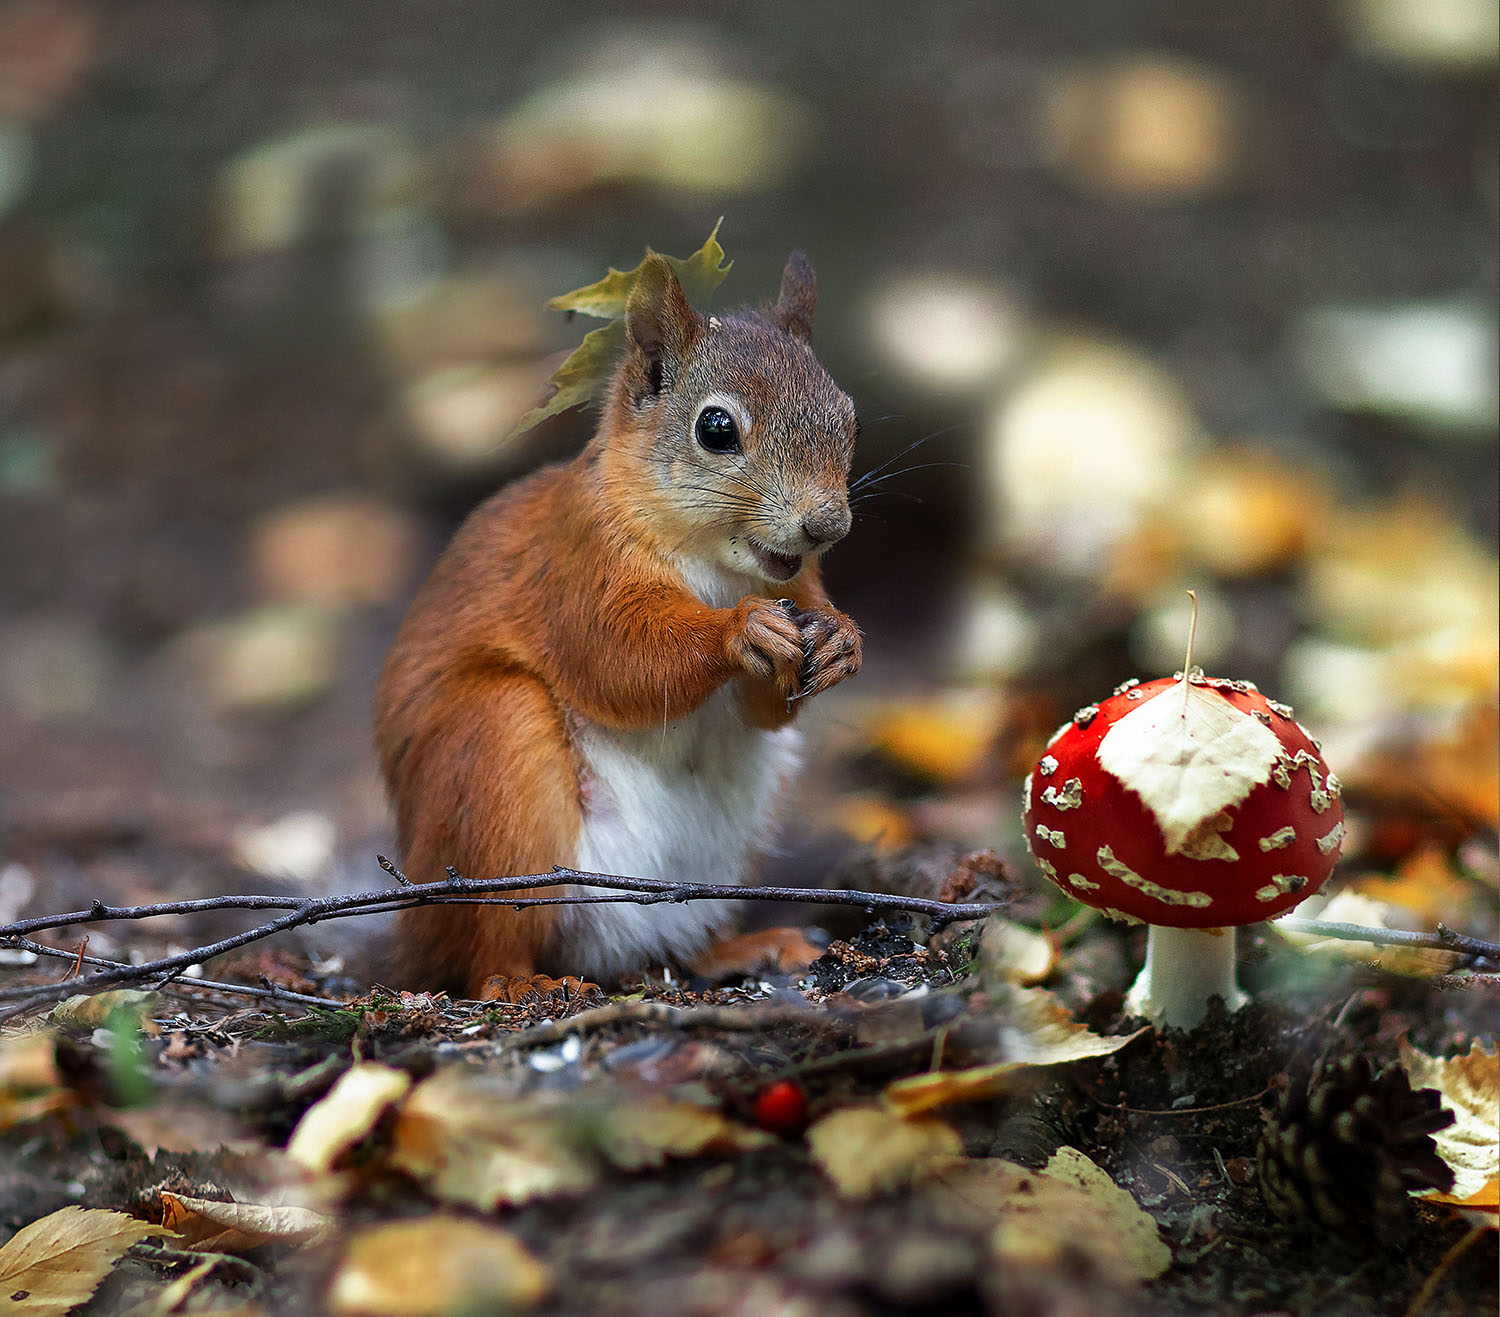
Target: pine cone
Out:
[1345,1145]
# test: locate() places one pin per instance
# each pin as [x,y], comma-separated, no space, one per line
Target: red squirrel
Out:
[604,668]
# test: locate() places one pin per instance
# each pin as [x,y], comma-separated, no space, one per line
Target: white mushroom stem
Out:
[1184,968]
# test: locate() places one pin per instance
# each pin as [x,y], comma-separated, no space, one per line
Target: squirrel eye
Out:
[716,431]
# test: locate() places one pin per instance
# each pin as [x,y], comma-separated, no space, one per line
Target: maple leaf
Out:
[582,376]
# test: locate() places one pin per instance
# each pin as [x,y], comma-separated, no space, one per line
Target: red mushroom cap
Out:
[1197,806]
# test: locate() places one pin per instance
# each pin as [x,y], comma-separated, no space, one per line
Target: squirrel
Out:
[604,669]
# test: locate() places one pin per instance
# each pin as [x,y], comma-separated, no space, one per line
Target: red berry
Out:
[781,1108]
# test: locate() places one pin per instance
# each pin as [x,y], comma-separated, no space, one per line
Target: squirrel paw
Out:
[767,642]
[531,988]
[832,650]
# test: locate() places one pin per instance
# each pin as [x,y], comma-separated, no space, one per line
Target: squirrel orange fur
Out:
[600,671]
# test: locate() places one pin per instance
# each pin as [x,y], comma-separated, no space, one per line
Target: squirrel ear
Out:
[798,301]
[659,324]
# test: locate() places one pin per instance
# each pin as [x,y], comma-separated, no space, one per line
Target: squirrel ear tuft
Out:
[798,301]
[659,323]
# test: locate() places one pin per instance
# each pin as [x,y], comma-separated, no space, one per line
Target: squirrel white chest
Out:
[692,801]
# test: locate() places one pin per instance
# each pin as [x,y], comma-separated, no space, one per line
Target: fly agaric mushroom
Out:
[1192,804]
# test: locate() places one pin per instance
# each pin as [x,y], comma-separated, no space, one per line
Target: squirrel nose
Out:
[827,524]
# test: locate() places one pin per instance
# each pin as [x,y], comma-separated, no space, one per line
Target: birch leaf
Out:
[208,1225]
[339,1120]
[1189,755]
[52,1265]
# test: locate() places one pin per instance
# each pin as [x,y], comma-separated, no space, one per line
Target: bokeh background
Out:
[1148,296]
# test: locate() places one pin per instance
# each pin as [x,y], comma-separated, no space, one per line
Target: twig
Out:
[730,1019]
[1439,1274]
[1445,939]
[187,988]
[305,910]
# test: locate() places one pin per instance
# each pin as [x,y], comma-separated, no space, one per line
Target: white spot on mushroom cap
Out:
[1330,840]
[1129,684]
[1079,881]
[1052,836]
[1205,843]
[1109,912]
[1281,884]
[1167,896]
[1046,866]
[1046,767]
[1085,715]
[1279,839]
[1070,797]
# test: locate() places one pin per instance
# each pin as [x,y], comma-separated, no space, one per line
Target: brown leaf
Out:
[202,1223]
[867,1151]
[1470,1086]
[56,1263]
[646,1132]
[438,1264]
[348,1112]
[1068,1208]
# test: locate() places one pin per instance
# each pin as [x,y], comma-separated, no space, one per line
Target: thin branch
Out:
[301,911]
[1445,939]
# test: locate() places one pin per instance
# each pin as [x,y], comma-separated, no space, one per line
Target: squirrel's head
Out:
[725,429]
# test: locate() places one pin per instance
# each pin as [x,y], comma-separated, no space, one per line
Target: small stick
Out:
[1445,939]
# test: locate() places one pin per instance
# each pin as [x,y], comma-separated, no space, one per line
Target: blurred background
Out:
[1133,297]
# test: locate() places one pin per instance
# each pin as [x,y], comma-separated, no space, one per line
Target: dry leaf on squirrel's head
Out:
[867,1151]
[439,1264]
[57,1263]
[1470,1086]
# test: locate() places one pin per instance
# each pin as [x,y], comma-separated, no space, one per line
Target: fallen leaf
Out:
[438,1264]
[201,1223]
[646,1132]
[867,1151]
[1470,1086]
[52,1265]
[1189,755]
[101,1009]
[468,1140]
[1037,1030]
[872,821]
[1017,953]
[348,1112]
[1069,1208]
[1351,907]
[944,738]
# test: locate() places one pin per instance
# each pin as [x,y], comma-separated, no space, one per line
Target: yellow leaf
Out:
[204,1224]
[56,1263]
[872,821]
[943,739]
[1470,1086]
[588,367]
[1036,1030]
[1016,952]
[866,1151]
[646,1132]
[348,1112]
[438,1264]
[1067,1210]
[95,1011]
[470,1140]
[700,276]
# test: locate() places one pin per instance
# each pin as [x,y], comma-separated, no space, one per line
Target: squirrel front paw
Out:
[766,640]
[831,650]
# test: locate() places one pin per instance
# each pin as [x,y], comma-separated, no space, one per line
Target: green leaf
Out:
[582,377]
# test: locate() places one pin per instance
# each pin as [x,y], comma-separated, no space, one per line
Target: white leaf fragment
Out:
[1188,759]
[1069,797]
[1166,895]
[1205,843]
